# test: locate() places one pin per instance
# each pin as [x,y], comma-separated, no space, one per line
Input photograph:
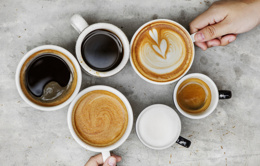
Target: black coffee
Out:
[46,69]
[102,50]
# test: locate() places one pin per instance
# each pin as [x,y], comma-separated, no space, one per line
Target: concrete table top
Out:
[229,136]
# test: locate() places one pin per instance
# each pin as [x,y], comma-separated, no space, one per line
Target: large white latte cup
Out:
[104,150]
[162,51]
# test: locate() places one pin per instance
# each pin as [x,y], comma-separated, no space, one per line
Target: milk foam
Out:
[159,126]
[164,52]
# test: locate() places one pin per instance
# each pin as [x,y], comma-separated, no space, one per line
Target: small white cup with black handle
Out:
[104,150]
[158,127]
[91,65]
[215,96]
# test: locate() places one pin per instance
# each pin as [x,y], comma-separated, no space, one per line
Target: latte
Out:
[99,118]
[162,51]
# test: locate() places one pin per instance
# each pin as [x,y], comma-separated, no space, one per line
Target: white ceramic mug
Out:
[104,150]
[191,37]
[159,126]
[215,96]
[84,29]
[69,56]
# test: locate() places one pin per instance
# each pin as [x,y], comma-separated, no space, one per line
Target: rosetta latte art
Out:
[165,55]
[162,51]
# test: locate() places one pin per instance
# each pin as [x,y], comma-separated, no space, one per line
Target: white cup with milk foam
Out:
[159,126]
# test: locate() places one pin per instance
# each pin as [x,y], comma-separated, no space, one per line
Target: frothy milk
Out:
[158,126]
[162,51]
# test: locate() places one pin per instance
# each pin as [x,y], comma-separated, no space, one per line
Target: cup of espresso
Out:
[196,96]
[48,77]
[100,119]
[162,51]
[159,126]
[102,49]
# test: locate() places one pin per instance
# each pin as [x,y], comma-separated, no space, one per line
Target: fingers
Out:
[118,158]
[211,16]
[220,41]
[225,40]
[112,160]
[98,160]
[211,24]
[213,42]
[95,160]
[202,45]
[212,31]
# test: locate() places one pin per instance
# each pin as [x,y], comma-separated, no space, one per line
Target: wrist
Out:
[254,6]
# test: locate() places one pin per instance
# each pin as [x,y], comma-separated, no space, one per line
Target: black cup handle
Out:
[224,94]
[183,142]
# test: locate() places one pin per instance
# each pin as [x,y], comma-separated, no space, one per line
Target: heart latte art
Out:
[162,51]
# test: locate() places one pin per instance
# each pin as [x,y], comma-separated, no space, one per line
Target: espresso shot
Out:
[194,96]
[102,50]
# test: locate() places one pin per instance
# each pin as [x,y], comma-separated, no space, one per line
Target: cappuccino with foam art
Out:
[162,51]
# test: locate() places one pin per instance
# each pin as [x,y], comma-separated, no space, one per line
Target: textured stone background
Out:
[229,136]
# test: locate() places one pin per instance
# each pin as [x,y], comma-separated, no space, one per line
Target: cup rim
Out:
[122,37]
[132,63]
[214,91]
[138,121]
[31,52]
[129,125]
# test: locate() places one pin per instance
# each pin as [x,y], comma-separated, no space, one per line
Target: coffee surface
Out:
[48,78]
[99,118]
[193,95]
[44,69]
[159,126]
[162,51]
[102,50]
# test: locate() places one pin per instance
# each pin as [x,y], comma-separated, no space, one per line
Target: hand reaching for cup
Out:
[219,25]
[98,160]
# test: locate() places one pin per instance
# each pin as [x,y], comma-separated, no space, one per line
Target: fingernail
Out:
[112,161]
[231,39]
[200,36]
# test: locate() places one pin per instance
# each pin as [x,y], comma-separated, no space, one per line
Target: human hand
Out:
[219,25]
[98,160]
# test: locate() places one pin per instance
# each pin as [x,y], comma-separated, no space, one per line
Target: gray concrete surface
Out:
[229,136]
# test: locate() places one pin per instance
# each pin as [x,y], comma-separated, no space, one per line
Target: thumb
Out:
[110,161]
[211,32]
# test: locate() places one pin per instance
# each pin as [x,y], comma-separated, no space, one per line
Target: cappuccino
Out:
[99,118]
[162,51]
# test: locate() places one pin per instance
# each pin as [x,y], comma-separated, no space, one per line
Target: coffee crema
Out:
[99,118]
[193,96]
[48,78]
[162,51]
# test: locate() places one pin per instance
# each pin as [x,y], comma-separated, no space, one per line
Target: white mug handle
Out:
[105,155]
[78,23]
[192,37]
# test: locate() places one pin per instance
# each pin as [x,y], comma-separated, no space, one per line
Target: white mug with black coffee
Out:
[102,49]
[48,77]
